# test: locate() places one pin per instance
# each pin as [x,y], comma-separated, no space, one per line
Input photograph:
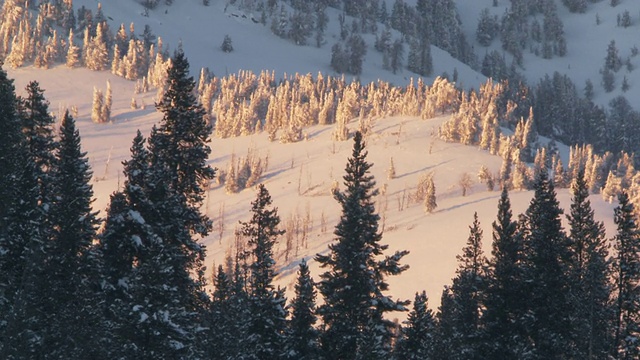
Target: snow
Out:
[135,215]
[300,175]
[587,44]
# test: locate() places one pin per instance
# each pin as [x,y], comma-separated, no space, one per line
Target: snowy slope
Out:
[587,44]
[201,29]
[300,176]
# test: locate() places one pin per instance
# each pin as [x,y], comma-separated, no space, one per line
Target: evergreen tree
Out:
[37,125]
[267,304]
[354,284]
[181,139]
[590,272]
[487,28]
[302,336]
[550,328]
[74,264]
[430,203]
[612,61]
[227,45]
[221,317]
[627,282]
[97,107]
[168,291]
[417,337]
[20,240]
[467,295]
[505,338]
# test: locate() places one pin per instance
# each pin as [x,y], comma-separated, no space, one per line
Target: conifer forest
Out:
[149,277]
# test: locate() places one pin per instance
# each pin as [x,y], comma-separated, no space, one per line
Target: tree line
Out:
[135,288]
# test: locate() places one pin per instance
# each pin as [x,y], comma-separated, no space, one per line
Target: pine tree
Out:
[97,107]
[19,238]
[468,292]
[73,52]
[430,196]
[267,304]
[106,105]
[354,282]
[221,317]
[504,337]
[183,134]
[590,272]
[302,336]
[169,293]
[227,45]
[37,125]
[627,282]
[546,274]
[417,336]
[74,332]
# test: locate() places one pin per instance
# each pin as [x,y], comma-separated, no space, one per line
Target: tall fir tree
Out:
[182,137]
[550,328]
[504,337]
[627,282]
[75,330]
[302,336]
[355,281]
[13,254]
[30,228]
[467,298]
[590,271]
[267,304]
[417,336]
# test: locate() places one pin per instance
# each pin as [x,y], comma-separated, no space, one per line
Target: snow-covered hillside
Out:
[588,36]
[201,29]
[300,176]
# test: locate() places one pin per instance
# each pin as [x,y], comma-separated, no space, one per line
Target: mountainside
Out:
[245,179]
[300,175]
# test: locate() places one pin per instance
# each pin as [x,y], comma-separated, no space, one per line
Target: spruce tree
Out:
[221,318]
[354,284]
[75,329]
[302,336]
[417,336]
[550,328]
[590,271]
[627,282]
[267,304]
[505,338]
[181,139]
[173,268]
[468,291]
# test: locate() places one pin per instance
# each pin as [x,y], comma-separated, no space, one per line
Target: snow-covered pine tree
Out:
[468,291]
[417,337]
[550,328]
[227,44]
[97,107]
[74,332]
[626,271]
[37,125]
[170,295]
[354,284]
[182,137]
[18,210]
[302,336]
[73,52]
[267,304]
[589,267]
[430,203]
[505,338]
